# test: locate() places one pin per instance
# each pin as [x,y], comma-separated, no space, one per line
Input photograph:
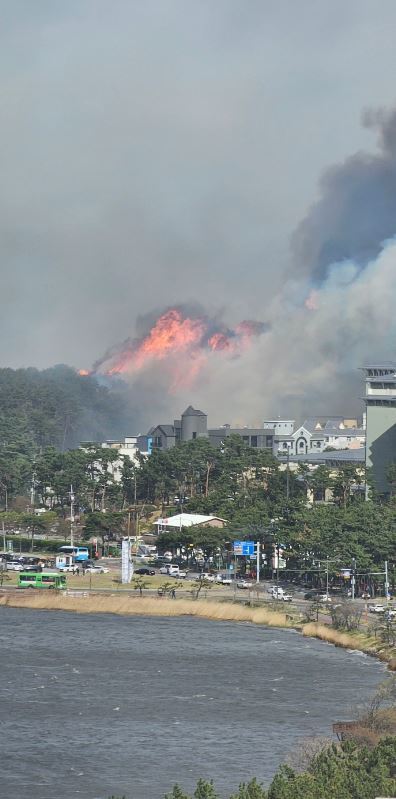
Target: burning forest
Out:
[182,342]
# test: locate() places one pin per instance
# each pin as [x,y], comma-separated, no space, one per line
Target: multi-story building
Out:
[253,436]
[320,433]
[380,400]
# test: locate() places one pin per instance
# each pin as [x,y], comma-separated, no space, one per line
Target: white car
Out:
[97,569]
[244,584]
[377,608]
[72,568]
[14,566]
[179,573]
[277,593]
[173,571]
[223,579]
[285,597]
[206,576]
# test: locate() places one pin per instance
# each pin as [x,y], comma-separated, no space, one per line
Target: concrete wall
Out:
[380,443]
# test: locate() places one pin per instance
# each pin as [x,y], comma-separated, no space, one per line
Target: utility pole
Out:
[386,583]
[327,577]
[353,578]
[277,568]
[33,489]
[71,516]
[257,561]
[288,474]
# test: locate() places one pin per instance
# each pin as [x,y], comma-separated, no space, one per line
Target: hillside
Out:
[58,407]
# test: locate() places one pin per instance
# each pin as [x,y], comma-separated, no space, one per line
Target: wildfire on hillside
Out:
[182,341]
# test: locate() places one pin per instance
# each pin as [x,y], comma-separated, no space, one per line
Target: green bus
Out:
[41,580]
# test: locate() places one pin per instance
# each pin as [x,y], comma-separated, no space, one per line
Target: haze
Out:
[164,153]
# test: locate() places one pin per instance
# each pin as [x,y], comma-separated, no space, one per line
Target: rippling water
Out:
[98,704]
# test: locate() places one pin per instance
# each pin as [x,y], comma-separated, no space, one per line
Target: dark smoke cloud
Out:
[356,212]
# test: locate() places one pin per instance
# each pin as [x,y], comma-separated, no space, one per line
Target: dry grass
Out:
[147,606]
[346,640]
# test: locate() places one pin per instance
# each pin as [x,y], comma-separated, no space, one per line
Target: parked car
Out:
[32,567]
[143,570]
[71,568]
[285,597]
[97,569]
[244,584]
[181,574]
[224,579]
[170,569]
[206,576]
[15,566]
[277,592]
[312,595]
[377,608]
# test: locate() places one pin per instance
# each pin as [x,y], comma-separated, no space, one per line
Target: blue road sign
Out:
[243,547]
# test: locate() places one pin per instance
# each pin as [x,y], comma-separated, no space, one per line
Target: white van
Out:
[170,568]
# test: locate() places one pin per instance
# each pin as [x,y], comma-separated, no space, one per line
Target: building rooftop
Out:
[167,429]
[389,378]
[385,366]
[186,520]
[333,457]
[190,411]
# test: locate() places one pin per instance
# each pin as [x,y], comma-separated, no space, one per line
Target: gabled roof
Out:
[187,520]
[166,429]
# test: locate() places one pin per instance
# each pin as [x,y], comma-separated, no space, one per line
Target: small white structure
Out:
[188,520]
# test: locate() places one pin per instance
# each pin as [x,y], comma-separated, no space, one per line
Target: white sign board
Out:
[126,563]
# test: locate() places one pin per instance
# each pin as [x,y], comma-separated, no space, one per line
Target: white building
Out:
[319,433]
[281,427]
[188,520]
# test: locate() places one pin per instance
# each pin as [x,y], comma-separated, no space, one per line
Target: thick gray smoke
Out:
[356,211]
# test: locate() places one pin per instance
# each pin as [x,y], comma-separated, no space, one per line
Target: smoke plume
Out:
[181,341]
[356,211]
[319,329]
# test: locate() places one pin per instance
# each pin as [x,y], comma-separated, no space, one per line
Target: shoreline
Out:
[208,609]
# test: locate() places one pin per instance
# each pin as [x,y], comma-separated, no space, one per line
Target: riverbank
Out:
[147,606]
[360,641]
[206,609]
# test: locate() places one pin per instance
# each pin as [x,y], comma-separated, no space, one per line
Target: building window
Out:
[268,441]
[245,439]
[194,435]
[253,441]
[157,442]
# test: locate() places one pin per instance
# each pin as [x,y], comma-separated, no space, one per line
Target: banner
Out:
[126,563]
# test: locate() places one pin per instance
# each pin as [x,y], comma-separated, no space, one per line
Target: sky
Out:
[233,154]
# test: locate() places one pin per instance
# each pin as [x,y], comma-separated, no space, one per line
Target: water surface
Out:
[98,704]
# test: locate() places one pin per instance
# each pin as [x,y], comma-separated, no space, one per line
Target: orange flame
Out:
[176,334]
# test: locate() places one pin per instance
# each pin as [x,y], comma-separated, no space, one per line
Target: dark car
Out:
[312,595]
[143,570]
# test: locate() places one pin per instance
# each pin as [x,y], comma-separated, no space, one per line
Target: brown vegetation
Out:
[150,606]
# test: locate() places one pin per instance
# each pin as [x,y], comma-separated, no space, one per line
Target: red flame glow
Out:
[184,342]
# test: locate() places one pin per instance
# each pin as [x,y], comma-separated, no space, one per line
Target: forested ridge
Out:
[56,407]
